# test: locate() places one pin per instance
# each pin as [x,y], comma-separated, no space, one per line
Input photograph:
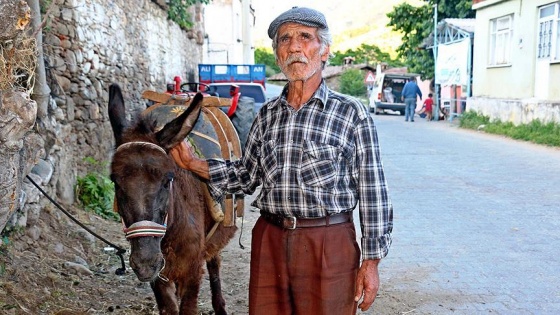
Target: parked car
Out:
[386,92]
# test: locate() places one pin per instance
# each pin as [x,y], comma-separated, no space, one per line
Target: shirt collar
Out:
[321,94]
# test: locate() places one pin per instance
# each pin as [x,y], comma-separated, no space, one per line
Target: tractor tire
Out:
[243,118]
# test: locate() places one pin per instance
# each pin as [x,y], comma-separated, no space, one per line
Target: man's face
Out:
[298,51]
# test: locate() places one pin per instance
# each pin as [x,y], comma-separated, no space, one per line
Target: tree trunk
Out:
[41,91]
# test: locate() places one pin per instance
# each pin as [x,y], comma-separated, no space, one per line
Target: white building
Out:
[229,25]
[516,60]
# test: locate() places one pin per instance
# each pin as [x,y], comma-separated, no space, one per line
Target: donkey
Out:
[164,210]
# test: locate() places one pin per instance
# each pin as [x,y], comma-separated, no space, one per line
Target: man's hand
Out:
[184,156]
[367,283]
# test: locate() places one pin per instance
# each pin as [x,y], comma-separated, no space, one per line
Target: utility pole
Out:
[435,50]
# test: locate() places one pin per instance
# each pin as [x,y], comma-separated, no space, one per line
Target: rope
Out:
[120,250]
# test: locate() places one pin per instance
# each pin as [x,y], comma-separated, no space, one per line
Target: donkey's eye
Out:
[168,179]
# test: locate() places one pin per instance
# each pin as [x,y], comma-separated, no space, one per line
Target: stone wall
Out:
[88,45]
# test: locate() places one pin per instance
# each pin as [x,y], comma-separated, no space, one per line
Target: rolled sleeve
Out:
[218,178]
[376,209]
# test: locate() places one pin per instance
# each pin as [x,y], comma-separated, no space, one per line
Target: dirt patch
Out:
[44,276]
[38,274]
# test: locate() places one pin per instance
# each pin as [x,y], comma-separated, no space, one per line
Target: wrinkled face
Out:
[143,178]
[299,53]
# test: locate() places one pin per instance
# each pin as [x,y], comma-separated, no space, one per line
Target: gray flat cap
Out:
[304,16]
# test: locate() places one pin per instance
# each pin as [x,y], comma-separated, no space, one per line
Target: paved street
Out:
[477,221]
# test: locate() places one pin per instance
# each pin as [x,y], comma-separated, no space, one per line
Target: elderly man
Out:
[316,155]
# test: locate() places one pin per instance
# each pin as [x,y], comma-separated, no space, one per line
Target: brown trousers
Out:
[306,271]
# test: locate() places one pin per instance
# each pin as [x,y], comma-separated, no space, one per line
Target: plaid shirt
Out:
[320,160]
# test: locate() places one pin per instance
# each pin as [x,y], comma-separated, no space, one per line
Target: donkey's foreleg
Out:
[218,302]
[166,299]
[189,297]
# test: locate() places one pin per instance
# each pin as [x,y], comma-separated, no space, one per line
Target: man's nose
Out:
[294,45]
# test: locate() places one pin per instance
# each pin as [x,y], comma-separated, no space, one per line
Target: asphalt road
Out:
[477,220]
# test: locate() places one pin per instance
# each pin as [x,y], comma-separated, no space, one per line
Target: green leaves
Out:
[178,12]
[96,192]
[370,54]
[416,23]
[352,83]
[266,57]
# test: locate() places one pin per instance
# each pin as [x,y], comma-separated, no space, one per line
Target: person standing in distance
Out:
[316,154]
[408,94]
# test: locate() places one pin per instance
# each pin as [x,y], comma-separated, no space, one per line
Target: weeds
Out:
[535,131]
[96,191]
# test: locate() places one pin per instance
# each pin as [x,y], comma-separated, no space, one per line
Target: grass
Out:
[536,131]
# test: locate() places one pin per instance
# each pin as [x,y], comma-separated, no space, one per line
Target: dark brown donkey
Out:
[164,212]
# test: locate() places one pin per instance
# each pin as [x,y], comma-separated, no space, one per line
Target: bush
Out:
[352,83]
[178,12]
[96,192]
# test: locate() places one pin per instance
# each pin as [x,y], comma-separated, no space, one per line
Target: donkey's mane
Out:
[141,129]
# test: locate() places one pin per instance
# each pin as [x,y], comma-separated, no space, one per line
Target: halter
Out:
[141,143]
[145,227]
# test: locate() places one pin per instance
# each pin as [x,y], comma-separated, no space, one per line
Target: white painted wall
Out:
[229,27]
[508,92]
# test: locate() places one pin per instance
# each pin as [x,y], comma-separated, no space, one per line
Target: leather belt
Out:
[291,223]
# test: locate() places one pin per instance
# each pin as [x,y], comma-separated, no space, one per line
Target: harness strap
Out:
[211,233]
[142,143]
[203,136]
[145,228]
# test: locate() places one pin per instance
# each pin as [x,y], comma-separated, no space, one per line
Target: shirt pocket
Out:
[318,167]
[269,163]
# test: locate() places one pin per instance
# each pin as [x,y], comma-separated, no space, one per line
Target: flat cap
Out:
[300,15]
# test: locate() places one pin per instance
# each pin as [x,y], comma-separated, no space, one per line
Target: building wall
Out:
[228,26]
[508,91]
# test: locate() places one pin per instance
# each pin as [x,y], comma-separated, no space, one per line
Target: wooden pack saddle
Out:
[213,136]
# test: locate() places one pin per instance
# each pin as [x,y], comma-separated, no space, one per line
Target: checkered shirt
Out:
[320,160]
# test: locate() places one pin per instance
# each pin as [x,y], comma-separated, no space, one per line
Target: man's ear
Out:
[325,55]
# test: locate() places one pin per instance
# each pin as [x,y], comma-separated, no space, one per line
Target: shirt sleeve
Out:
[241,175]
[375,207]
[405,89]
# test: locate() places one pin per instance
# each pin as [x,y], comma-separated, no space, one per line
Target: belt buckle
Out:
[292,221]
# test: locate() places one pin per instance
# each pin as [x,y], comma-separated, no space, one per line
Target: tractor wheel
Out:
[243,118]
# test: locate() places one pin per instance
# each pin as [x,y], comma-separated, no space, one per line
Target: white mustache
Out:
[295,58]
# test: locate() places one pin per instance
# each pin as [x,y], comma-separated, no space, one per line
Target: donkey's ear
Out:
[177,130]
[117,114]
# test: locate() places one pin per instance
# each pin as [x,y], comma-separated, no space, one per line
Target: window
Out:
[501,37]
[548,45]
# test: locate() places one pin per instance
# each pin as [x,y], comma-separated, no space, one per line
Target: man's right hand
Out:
[183,154]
